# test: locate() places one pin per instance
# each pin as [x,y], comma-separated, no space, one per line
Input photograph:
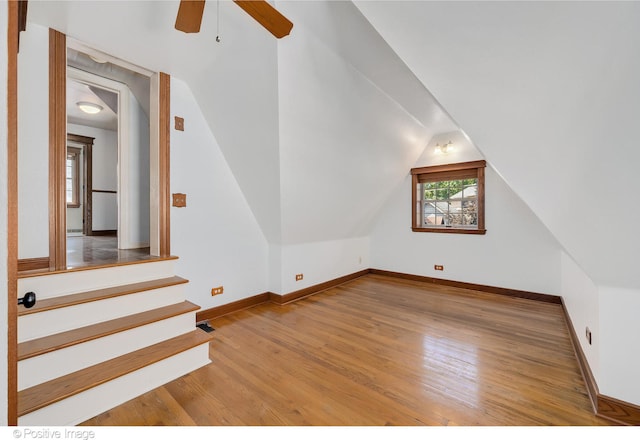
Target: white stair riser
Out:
[38,325]
[67,283]
[94,401]
[39,369]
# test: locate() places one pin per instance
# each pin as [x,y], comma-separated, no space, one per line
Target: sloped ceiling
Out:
[353,120]
[318,128]
[549,92]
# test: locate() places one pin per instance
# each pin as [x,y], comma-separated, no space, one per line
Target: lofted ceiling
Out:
[549,92]
[334,113]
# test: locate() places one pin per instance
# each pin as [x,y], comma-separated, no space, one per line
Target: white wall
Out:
[581,298]
[216,236]
[517,251]
[345,144]
[104,174]
[321,261]
[238,94]
[33,140]
[138,208]
[620,339]
[3,212]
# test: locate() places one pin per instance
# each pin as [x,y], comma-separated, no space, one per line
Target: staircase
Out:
[101,336]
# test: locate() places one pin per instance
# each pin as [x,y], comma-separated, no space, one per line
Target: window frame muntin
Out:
[439,173]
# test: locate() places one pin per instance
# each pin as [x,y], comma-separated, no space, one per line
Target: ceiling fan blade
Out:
[267,16]
[190,16]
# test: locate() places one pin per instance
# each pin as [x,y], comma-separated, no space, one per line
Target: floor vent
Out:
[206,327]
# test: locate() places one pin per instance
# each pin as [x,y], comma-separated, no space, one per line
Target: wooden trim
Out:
[618,411]
[252,301]
[587,374]
[481,201]
[108,191]
[22,17]
[105,232]
[14,19]
[449,167]
[453,230]
[28,264]
[164,127]
[479,287]
[415,212]
[100,266]
[236,306]
[298,294]
[85,140]
[87,179]
[57,149]
[471,173]
[604,406]
[75,153]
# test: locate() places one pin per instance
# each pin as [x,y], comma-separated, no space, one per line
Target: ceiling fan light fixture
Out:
[444,149]
[89,107]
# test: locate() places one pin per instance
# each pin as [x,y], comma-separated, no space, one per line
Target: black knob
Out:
[28,300]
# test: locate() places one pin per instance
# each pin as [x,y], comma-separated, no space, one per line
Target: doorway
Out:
[42,156]
[108,162]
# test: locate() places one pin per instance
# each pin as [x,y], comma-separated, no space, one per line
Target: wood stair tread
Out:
[69,338]
[99,294]
[39,396]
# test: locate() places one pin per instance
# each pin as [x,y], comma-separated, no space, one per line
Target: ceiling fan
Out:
[190,16]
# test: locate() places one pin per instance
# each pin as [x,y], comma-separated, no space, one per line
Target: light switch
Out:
[179,123]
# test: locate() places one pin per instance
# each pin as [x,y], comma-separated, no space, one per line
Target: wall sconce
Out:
[89,107]
[444,149]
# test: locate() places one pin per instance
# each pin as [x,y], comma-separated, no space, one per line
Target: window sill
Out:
[451,230]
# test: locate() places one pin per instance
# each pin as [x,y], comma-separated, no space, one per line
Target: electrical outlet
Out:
[299,277]
[438,267]
[588,335]
[217,291]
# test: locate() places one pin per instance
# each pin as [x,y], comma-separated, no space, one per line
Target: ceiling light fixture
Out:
[444,149]
[89,107]
[98,59]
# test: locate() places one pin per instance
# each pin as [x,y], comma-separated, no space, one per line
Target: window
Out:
[449,198]
[73,177]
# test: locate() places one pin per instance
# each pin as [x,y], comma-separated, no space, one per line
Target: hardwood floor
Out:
[379,351]
[84,251]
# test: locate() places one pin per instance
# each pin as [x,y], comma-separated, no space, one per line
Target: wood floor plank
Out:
[385,351]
